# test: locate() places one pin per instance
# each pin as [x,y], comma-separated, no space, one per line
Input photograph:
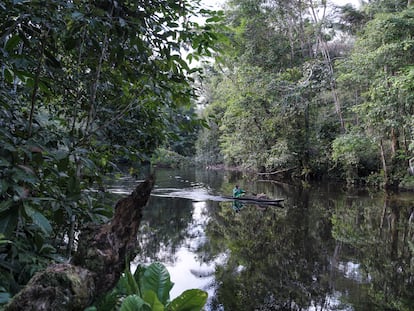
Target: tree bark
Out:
[97,264]
[384,163]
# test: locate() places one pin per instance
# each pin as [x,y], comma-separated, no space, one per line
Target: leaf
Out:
[59,154]
[190,300]
[134,303]
[24,174]
[38,219]
[157,279]
[4,241]
[131,284]
[52,59]
[88,163]
[8,75]
[77,15]
[4,163]
[47,249]
[5,205]
[8,222]
[3,187]
[151,298]
[12,43]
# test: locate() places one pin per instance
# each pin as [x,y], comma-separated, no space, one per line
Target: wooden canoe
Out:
[254,200]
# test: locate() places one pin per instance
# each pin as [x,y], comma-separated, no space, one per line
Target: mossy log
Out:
[96,266]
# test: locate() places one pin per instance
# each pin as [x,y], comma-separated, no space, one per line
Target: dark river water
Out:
[324,248]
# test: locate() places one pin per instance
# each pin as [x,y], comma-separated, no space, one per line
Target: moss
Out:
[60,287]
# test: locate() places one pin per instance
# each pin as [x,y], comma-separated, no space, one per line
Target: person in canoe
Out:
[238,192]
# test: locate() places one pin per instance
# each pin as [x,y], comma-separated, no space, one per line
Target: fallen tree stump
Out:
[96,265]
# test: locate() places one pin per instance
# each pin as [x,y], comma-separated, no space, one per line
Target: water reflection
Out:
[327,249]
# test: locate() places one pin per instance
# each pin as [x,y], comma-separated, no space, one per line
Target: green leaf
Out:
[88,163]
[4,241]
[3,187]
[190,300]
[131,284]
[38,219]
[157,279]
[12,43]
[47,249]
[8,75]
[8,222]
[151,298]
[134,303]
[5,205]
[24,174]
[59,154]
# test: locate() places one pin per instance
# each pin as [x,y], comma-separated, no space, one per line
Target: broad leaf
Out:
[151,298]
[38,219]
[157,278]
[190,300]
[134,303]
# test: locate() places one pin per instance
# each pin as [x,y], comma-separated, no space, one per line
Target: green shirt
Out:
[237,192]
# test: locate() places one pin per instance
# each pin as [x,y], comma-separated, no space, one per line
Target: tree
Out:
[381,64]
[279,89]
[83,85]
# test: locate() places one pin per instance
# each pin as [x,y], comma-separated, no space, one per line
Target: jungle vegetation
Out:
[85,86]
[320,90]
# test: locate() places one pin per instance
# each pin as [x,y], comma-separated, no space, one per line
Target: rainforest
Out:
[293,92]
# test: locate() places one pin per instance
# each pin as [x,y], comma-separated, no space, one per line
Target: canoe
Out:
[254,200]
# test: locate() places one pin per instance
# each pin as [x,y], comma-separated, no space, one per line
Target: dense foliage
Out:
[84,85]
[149,289]
[322,90]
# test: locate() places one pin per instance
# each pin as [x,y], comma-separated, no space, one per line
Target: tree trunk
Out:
[97,263]
[384,163]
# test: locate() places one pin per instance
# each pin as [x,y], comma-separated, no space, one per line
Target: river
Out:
[324,248]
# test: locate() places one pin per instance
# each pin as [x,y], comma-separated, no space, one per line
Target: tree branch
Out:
[96,265]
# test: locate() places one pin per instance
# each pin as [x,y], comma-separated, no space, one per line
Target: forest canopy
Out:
[324,91]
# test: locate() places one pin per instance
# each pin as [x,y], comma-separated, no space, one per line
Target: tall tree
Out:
[382,63]
[280,71]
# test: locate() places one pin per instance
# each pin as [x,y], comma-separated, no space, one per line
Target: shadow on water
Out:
[327,249]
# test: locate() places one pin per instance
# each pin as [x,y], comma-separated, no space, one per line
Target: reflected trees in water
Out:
[277,258]
[164,227]
[326,249]
[381,234]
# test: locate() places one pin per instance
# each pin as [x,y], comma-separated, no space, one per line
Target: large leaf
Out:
[157,279]
[134,303]
[190,300]
[38,219]
[151,298]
